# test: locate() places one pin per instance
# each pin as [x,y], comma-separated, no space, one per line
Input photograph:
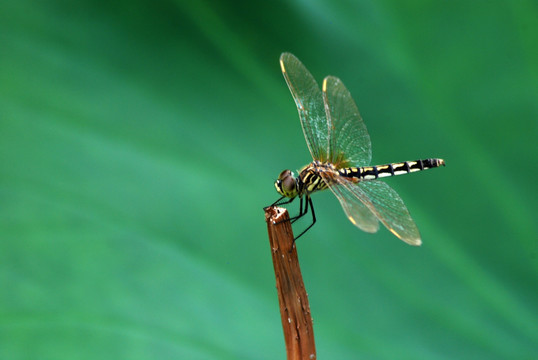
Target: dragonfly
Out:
[340,146]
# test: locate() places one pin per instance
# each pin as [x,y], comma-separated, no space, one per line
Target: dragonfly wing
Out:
[391,211]
[348,139]
[355,203]
[381,201]
[309,100]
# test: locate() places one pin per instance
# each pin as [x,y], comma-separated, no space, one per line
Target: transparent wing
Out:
[381,201]
[348,139]
[356,210]
[391,210]
[307,95]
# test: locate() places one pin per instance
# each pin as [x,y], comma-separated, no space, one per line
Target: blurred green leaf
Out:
[140,140]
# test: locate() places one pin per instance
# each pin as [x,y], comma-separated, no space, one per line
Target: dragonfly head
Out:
[286,184]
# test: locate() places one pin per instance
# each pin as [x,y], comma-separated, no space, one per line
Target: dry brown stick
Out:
[292,297]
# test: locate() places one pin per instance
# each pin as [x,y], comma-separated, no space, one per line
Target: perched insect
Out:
[340,147]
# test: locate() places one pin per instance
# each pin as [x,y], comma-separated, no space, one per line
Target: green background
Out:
[140,141]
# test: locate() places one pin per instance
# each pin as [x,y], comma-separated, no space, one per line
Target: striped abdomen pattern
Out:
[310,180]
[379,171]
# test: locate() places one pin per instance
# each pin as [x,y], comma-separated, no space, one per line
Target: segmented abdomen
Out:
[406,167]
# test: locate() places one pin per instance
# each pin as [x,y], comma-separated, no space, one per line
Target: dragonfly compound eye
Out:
[286,184]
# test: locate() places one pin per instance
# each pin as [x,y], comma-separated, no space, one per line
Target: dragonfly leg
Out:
[301,211]
[279,202]
[307,203]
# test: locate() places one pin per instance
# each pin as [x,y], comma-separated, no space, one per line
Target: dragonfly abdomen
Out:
[379,171]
